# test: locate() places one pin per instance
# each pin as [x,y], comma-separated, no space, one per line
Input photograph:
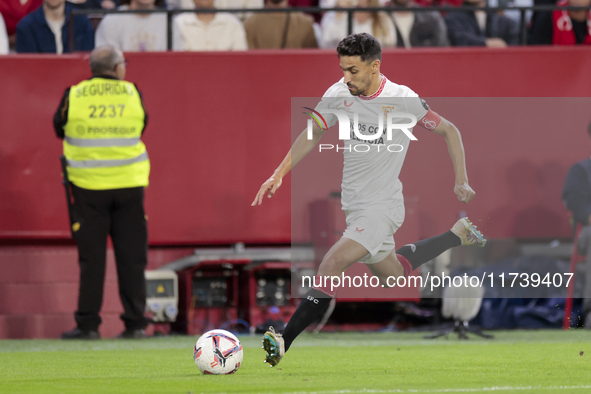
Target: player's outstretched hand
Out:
[271,185]
[464,192]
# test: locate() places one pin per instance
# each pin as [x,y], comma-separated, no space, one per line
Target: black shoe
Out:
[77,333]
[132,334]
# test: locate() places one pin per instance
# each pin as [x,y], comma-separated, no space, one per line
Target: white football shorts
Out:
[374,230]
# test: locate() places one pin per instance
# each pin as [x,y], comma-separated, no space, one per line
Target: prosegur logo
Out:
[351,130]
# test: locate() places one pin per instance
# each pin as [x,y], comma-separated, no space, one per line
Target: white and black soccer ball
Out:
[218,352]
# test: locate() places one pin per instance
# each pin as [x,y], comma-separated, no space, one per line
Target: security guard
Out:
[101,121]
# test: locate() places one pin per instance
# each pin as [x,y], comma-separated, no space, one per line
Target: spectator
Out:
[576,195]
[378,24]
[280,29]
[208,32]
[536,17]
[334,3]
[96,4]
[438,3]
[181,4]
[308,4]
[134,32]
[562,27]
[235,4]
[418,29]
[45,30]
[108,173]
[479,28]
[15,10]
[3,37]
[316,16]
[514,14]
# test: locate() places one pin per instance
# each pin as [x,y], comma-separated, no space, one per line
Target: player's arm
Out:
[300,148]
[453,138]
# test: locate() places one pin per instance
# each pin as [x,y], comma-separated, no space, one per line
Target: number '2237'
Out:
[106,111]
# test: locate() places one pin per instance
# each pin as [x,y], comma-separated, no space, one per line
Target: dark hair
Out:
[363,45]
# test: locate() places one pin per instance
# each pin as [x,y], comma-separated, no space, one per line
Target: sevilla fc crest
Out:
[386,109]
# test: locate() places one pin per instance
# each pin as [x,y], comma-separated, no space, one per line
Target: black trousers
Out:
[120,214]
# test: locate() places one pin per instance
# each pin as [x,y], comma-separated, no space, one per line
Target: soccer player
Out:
[371,191]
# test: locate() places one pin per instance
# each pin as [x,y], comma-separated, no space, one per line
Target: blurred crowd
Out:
[48,26]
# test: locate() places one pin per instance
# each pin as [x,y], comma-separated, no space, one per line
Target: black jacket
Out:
[463,29]
[428,30]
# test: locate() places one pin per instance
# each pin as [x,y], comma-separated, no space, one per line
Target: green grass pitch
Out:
[515,361]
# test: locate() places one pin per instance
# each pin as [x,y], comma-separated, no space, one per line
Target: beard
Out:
[354,90]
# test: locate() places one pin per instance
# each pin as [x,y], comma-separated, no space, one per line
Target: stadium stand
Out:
[39,280]
[218,31]
[280,30]
[3,37]
[52,28]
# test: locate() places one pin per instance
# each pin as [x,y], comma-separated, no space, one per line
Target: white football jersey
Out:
[371,168]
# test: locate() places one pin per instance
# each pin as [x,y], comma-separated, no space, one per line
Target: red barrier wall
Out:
[220,123]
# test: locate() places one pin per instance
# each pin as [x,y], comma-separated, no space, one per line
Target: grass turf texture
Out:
[515,361]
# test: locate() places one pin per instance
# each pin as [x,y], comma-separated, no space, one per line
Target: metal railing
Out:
[170,13]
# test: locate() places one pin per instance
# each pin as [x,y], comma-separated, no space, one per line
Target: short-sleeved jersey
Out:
[370,172]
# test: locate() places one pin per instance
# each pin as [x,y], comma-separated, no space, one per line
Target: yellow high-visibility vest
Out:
[102,136]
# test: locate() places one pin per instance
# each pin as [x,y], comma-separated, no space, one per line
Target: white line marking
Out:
[449,390]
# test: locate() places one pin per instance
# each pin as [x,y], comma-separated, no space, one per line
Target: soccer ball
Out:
[218,352]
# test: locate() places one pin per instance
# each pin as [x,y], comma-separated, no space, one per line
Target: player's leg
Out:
[390,266]
[463,232]
[341,256]
[410,257]
[363,237]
